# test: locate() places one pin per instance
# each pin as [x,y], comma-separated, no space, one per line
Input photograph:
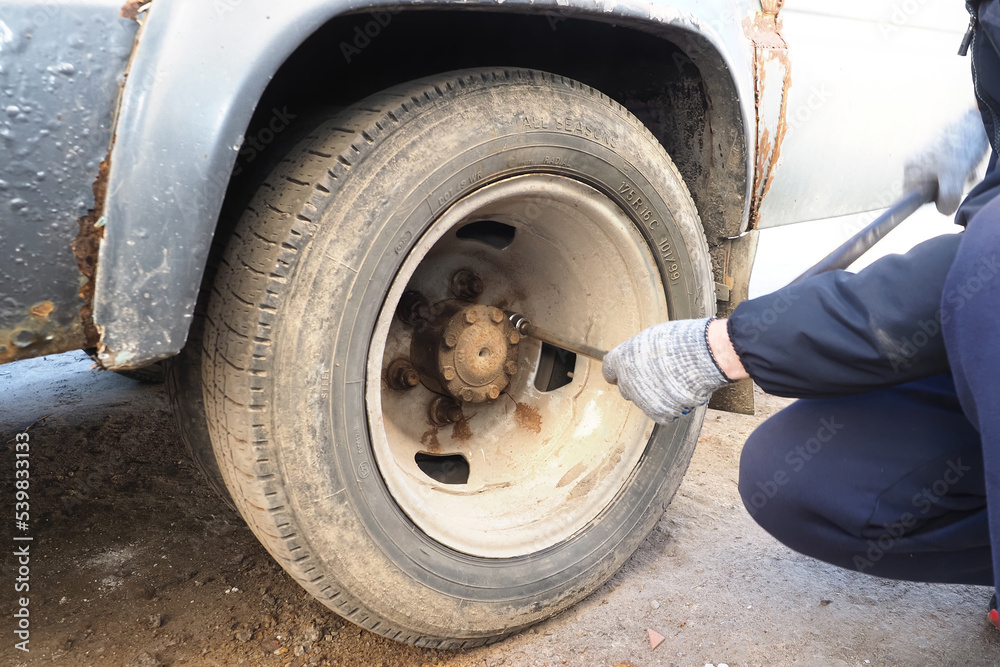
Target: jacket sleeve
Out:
[843,333]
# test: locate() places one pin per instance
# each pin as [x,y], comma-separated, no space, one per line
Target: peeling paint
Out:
[771,64]
[86,246]
[130,10]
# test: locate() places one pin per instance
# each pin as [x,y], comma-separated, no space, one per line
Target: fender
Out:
[200,67]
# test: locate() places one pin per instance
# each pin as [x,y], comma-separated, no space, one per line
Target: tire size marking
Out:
[638,204]
[570,125]
[459,187]
[666,249]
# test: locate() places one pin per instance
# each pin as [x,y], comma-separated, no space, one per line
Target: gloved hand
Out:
[667,370]
[949,161]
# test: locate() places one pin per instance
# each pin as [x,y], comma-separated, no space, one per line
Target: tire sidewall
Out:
[338,287]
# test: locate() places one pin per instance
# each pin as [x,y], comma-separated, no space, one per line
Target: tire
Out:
[572,213]
[182,376]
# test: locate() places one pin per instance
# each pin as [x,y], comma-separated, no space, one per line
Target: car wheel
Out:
[410,459]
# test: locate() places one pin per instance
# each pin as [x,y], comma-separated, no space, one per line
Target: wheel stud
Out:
[413,308]
[448,373]
[511,367]
[493,391]
[444,410]
[402,375]
[466,285]
[471,317]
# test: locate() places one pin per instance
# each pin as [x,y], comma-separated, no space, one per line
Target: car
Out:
[322,216]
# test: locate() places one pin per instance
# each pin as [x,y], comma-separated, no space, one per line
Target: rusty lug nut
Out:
[413,308]
[496,316]
[450,339]
[448,373]
[471,316]
[402,375]
[466,285]
[514,338]
[444,410]
[468,395]
[493,391]
[511,367]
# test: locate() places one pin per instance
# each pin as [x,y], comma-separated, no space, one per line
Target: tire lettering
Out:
[646,215]
[401,246]
[534,122]
[584,129]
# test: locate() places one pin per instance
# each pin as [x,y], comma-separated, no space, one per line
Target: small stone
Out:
[144,659]
[825,602]
[313,633]
[653,604]
[244,635]
[300,650]
[155,620]
[655,639]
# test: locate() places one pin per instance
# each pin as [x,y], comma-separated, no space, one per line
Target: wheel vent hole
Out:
[490,232]
[556,367]
[451,469]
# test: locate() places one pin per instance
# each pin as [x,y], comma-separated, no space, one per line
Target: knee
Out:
[769,486]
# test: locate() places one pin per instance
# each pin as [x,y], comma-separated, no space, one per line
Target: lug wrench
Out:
[524,327]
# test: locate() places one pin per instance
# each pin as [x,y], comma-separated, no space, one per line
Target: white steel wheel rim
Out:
[541,465]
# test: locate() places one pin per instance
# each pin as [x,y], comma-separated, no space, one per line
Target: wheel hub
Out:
[466,350]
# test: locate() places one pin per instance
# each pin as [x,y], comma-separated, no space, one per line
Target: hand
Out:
[949,161]
[667,370]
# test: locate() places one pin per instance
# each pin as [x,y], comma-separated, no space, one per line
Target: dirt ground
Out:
[134,561]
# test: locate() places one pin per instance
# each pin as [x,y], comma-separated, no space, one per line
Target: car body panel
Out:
[872,83]
[60,74]
[183,114]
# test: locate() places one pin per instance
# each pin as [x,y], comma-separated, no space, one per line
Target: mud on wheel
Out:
[409,458]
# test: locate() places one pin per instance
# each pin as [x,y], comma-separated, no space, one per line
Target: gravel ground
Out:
[136,562]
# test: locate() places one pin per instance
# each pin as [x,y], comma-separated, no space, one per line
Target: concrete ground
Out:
[136,562]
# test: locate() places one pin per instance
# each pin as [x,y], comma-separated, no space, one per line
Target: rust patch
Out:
[430,440]
[43,309]
[461,430]
[85,247]
[527,417]
[130,10]
[37,335]
[770,48]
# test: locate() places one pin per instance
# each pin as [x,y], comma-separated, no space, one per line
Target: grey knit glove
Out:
[949,161]
[667,370]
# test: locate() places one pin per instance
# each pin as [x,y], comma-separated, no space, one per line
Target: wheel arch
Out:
[170,171]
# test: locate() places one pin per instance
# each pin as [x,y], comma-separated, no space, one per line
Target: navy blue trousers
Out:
[888,483]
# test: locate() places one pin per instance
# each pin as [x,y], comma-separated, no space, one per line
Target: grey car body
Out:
[122,128]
